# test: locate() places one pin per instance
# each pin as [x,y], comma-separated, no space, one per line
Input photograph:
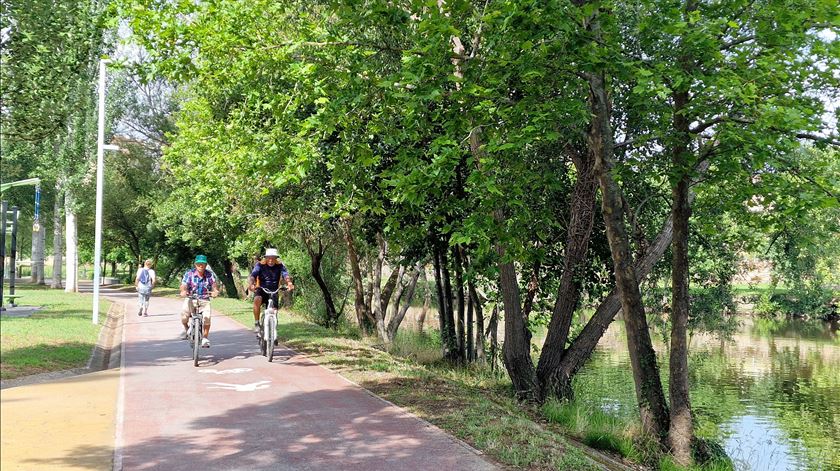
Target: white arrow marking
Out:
[239,387]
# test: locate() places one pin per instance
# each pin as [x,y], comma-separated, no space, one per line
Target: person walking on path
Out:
[201,282]
[145,280]
[267,276]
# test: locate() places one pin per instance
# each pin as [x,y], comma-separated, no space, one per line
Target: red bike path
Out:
[237,411]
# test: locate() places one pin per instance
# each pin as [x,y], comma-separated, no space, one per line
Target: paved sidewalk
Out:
[66,424]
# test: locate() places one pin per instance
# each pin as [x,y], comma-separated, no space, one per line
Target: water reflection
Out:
[754,442]
[771,394]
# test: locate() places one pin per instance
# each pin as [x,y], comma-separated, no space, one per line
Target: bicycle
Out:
[196,327]
[268,324]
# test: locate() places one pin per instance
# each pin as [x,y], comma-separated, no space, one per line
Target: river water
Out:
[770,394]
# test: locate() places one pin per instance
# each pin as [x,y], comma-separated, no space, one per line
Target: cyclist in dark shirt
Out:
[268,276]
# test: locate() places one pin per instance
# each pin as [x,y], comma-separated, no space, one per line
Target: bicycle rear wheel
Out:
[270,336]
[197,327]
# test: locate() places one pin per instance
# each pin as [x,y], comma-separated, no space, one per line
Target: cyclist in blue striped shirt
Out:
[201,282]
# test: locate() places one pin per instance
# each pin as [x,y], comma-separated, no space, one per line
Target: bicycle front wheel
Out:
[270,336]
[197,333]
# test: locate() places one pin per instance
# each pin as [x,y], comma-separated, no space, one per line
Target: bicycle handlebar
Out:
[196,296]
[279,288]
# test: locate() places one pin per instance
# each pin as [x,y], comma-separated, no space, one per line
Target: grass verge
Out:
[60,336]
[603,430]
[594,427]
[470,403]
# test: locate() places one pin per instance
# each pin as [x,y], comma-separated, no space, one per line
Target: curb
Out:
[106,353]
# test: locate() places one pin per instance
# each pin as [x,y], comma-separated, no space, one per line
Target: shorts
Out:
[262,294]
[203,308]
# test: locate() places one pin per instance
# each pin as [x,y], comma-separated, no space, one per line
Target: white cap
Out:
[271,253]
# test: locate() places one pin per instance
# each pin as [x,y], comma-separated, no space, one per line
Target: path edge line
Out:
[120,414]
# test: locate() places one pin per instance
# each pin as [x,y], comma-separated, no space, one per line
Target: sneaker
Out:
[140,312]
[205,343]
[184,335]
[145,314]
[257,328]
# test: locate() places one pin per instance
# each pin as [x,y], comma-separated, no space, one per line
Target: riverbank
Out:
[769,394]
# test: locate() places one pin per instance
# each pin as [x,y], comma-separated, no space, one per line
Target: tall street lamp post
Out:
[100,164]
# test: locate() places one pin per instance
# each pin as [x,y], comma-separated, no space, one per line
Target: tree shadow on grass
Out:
[52,312]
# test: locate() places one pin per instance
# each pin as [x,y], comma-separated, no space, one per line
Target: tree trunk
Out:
[470,344]
[427,301]
[368,277]
[399,291]
[517,347]
[479,324]
[492,335]
[315,257]
[584,344]
[232,279]
[531,293]
[458,262]
[680,433]
[445,315]
[441,302]
[516,350]
[57,238]
[71,243]
[33,269]
[37,268]
[377,303]
[649,395]
[389,289]
[582,217]
[399,315]
[43,249]
[363,314]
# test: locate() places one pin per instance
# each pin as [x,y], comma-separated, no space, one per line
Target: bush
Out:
[807,300]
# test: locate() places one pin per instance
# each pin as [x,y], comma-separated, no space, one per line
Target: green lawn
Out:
[58,337]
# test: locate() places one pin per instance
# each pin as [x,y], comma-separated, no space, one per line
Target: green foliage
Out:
[803,301]
[457,124]
[50,53]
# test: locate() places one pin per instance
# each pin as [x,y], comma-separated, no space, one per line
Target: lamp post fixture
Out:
[100,164]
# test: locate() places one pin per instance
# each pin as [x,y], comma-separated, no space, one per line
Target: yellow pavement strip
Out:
[66,424]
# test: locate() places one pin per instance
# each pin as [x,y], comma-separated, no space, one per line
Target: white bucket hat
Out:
[271,253]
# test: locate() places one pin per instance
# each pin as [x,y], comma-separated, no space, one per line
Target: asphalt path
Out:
[237,411]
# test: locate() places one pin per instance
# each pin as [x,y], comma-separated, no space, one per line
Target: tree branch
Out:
[720,119]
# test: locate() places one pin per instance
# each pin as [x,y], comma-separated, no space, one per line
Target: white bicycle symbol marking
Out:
[225,372]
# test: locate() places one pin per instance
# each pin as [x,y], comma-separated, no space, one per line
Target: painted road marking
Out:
[240,387]
[225,372]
